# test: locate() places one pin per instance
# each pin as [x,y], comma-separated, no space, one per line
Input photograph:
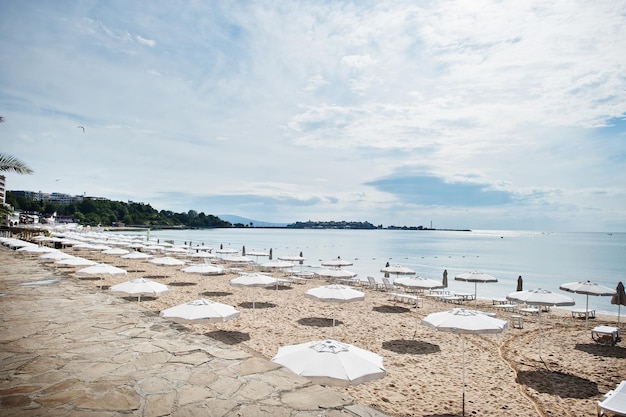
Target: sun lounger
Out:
[409,299]
[606,335]
[529,310]
[582,313]
[373,284]
[614,401]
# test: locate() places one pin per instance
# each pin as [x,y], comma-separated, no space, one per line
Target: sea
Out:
[543,259]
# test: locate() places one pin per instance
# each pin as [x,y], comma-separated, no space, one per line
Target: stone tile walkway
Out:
[66,350]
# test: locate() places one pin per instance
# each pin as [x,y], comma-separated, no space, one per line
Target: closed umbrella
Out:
[588,288]
[138,287]
[619,298]
[520,283]
[464,322]
[200,311]
[542,298]
[328,362]
[444,280]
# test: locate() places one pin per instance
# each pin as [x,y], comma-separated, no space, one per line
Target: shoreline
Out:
[504,375]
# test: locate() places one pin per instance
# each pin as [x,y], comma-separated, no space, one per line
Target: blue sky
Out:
[466,114]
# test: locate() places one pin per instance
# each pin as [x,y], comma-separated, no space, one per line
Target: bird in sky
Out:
[80,127]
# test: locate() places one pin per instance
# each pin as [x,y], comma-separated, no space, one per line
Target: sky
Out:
[469,114]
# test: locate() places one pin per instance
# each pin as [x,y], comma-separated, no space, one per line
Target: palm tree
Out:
[11,163]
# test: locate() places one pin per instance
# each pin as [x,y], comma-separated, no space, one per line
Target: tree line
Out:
[107,213]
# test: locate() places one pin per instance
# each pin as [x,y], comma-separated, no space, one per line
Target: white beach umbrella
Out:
[335,273]
[278,264]
[256,254]
[36,249]
[200,311]
[54,256]
[475,277]
[397,270]
[115,251]
[236,259]
[227,251]
[253,281]
[337,263]
[587,288]
[101,270]
[136,255]
[75,261]
[167,261]
[206,269]
[418,283]
[542,298]
[201,255]
[139,287]
[328,362]
[335,293]
[292,258]
[464,322]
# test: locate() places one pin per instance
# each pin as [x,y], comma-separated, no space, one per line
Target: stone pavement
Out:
[66,350]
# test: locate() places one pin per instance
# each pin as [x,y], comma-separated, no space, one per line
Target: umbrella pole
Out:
[540,308]
[475,296]
[587,312]
[463,343]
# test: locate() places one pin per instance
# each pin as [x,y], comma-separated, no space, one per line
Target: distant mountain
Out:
[243,220]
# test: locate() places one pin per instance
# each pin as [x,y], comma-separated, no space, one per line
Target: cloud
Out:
[148,42]
[491,112]
[428,190]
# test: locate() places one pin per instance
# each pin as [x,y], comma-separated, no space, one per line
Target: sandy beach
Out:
[505,375]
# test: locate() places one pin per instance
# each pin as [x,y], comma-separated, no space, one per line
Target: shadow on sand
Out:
[411,347]
[230,337]
[602,350]
[558,383]
[182,284]
[391,309]
[216,293]
[318,322]
[256,305]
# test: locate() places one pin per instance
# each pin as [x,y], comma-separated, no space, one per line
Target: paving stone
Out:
[159,404]
[255,366]
[100,356]
[193,394]
[118,400]
[315,397]
[254,390]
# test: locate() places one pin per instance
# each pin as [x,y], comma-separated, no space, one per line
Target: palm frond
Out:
[11,163]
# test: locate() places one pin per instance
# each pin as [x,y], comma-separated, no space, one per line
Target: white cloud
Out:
[148,42]
[310,101]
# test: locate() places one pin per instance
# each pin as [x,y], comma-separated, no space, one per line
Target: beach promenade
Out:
[67,350]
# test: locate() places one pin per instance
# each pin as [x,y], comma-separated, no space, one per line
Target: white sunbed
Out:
[614,401]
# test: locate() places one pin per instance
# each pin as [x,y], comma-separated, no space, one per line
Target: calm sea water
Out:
[544,260]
